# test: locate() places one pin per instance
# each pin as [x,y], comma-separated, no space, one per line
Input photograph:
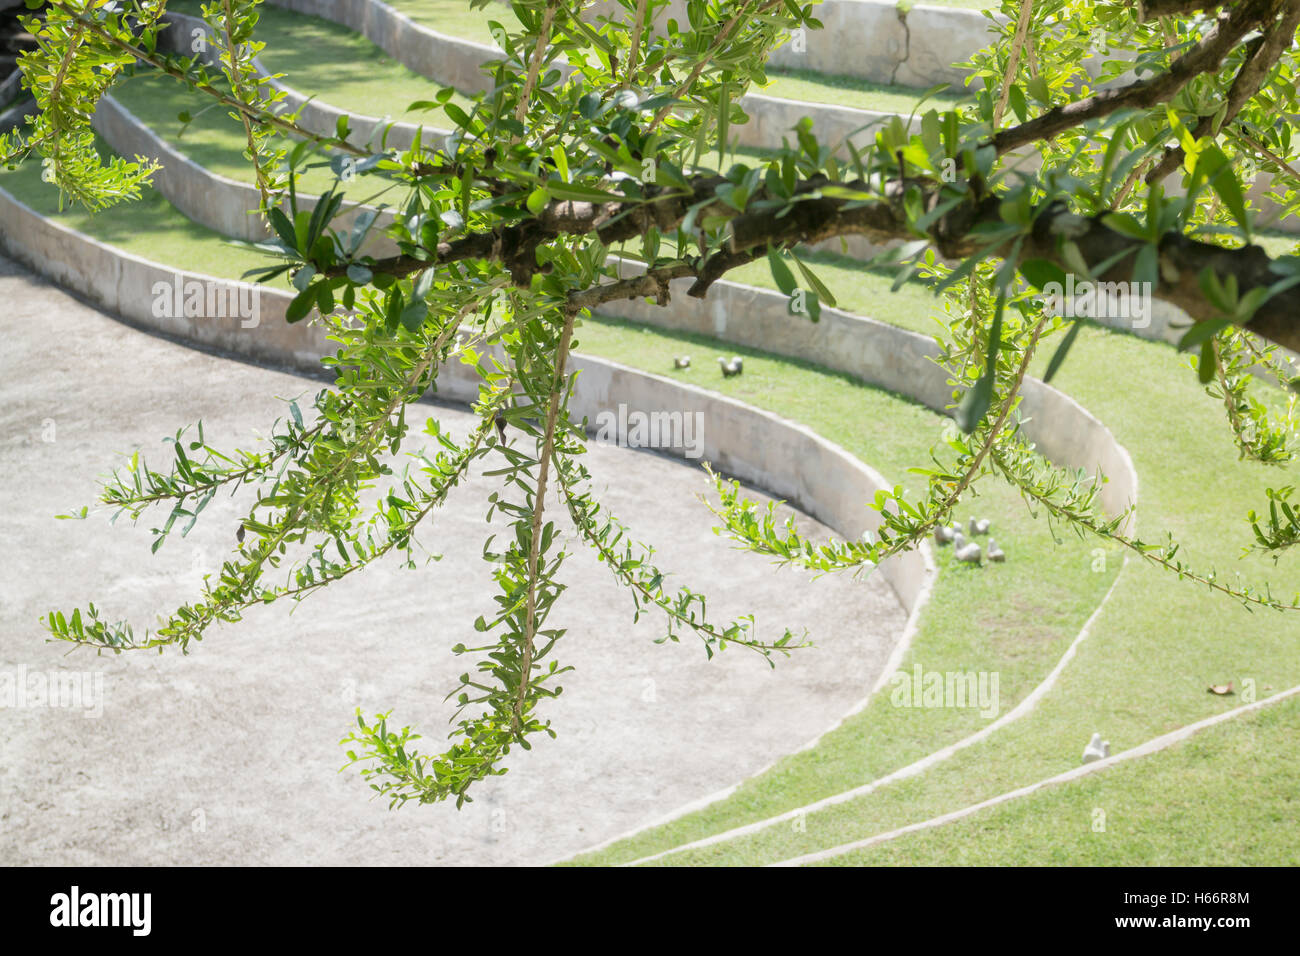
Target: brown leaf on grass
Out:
[1223,690]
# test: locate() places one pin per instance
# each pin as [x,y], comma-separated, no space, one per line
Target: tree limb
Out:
[1262,53]
[1204,57]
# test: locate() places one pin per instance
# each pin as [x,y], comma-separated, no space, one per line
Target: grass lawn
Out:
[1180,787]
[851,91]
[213,138]
[150,227]
[315,54]
[456,18]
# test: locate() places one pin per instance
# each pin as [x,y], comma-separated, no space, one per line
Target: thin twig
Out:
[539,505]
[1013,59]
[535,63]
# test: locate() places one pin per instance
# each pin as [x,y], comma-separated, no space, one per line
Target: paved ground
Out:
[229,755]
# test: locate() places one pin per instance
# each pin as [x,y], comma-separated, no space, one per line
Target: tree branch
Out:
[539,505]
[1013,59]
[1154,9]
[1262,53]
[1205,56]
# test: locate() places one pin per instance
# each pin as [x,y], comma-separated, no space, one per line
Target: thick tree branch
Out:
[1262,54]
[1204,57]
[881,218]
[516,246]
[1154,9]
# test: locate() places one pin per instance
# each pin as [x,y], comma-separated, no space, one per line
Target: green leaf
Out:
[457,115]
[1214,167]
[1016,98]
[995,336]
[817,285]
[1202,332]
[1058,357]
[537,200]
[283,228]
[301,305]
[1040,272]
[1126,224]
[1229,190]
[413,315]
[1205,367]
[781,273]
[974,404]
[574,192]
[1038,89]
[1146,265]
[1221,297]
[812,301]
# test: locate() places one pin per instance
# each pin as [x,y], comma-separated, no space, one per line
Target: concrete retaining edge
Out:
[875,40]
[313,115]
[210,199]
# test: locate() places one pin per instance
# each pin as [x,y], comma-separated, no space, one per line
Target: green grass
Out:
[851,91]
[213,138]
[316,55]
[149,227]
[455,18]
[1182,788]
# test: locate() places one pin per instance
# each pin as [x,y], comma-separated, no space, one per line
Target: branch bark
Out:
[1205,56]
[1262,54]
[881,219]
